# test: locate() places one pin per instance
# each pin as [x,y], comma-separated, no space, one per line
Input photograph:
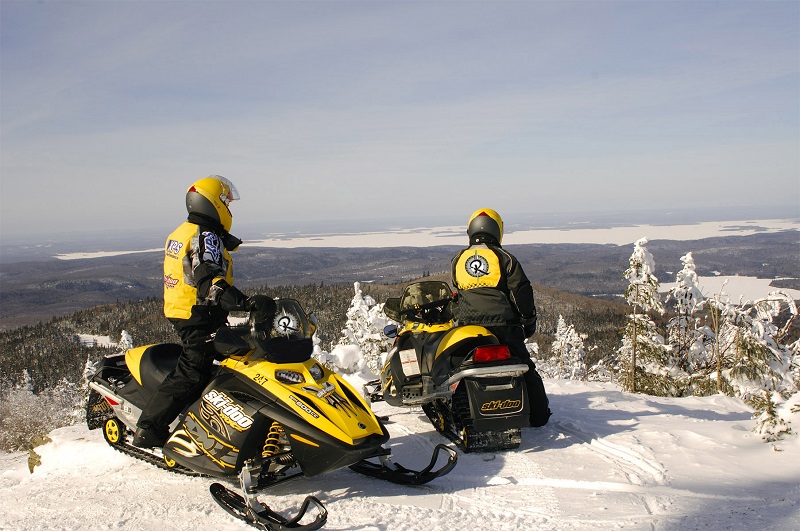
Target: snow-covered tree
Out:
[640,337]
[570,351]
[125,341]
[364,328]
[686,293]
[686,335]
[749,359]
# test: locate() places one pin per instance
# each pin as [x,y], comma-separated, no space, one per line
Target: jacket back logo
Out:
[477,266]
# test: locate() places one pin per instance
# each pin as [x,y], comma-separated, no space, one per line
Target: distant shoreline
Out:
[451,235]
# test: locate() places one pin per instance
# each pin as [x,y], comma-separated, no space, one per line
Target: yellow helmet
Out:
[485,221]
[210,197]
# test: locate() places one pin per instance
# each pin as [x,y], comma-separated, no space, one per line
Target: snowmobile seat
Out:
[157,362]
[424,343]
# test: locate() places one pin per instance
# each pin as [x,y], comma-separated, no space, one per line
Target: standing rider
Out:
[494,292]
[198,294]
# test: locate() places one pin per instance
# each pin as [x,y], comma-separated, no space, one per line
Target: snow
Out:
[427,237]
[89,340]
[749,288]
[434,236]
[606,460]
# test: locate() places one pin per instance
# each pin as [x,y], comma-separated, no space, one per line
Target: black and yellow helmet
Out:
[210,197]
[485,221]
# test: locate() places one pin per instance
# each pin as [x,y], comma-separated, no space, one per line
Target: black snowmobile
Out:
[466,382]
[270,413]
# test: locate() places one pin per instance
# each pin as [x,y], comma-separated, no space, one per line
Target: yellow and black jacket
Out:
[197,269]
[493,290]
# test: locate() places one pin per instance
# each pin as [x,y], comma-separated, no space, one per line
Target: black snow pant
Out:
[514,337]
[187,381]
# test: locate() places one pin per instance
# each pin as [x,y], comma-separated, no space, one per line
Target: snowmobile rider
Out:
[198,294]
[494,292]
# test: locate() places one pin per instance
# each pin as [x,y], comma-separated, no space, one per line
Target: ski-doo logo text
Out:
[496,405]
[170,282]
[231,412]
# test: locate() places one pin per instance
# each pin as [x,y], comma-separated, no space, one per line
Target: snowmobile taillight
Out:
[491,353]
[111,402]
[289,377]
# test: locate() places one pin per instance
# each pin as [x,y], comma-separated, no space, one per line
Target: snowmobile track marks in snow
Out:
[639,469]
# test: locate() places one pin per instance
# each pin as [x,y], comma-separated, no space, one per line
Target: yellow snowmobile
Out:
[270,413]
[466,382]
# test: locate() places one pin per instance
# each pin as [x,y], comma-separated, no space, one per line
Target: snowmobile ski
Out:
[405,476]
[263,517]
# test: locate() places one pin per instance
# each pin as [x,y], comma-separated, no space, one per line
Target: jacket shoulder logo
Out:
[173,249]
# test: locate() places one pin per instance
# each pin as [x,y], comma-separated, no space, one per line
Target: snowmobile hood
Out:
[316,395]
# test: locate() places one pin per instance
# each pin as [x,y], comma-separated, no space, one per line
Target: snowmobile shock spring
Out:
[272,443]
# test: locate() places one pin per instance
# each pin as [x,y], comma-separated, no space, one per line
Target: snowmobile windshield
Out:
[285,337]
[426,302]
[391,309]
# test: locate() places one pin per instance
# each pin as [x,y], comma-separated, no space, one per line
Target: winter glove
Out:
[229,297]
[261,306]
[529,325]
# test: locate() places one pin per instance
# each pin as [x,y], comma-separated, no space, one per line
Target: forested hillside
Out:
[51,350]
[36,291]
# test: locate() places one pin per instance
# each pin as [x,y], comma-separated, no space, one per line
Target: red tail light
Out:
[491,353]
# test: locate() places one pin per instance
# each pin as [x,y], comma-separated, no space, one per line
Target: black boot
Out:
[150,437]
[540,410]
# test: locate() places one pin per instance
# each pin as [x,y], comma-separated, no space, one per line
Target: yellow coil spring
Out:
[272,444]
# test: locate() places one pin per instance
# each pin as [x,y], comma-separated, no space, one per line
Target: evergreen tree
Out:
[568,347]
[364,328]
[750,360]
[685,333]
[640,337]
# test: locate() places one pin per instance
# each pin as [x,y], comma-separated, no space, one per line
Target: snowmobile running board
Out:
[402,475]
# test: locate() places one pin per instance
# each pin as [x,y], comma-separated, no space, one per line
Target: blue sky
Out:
[341,110]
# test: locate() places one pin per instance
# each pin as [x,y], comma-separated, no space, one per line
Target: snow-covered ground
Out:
[607,460]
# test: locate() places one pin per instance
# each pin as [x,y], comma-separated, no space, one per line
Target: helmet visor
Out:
[229,191]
